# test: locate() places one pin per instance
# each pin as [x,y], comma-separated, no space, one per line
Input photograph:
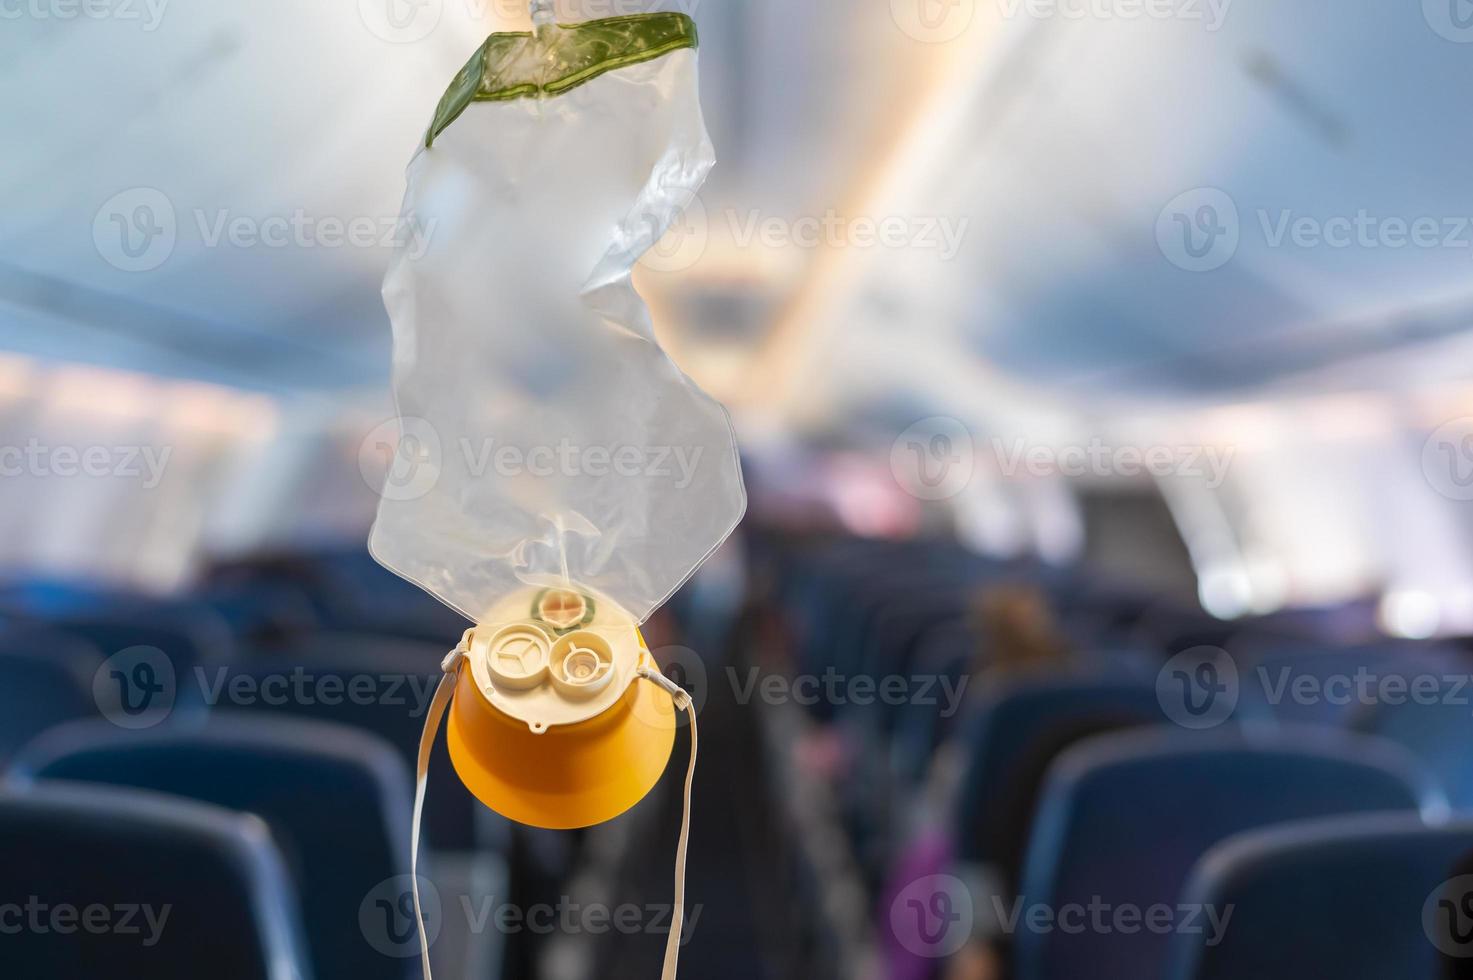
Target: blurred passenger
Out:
[1016,628]
[1016,631]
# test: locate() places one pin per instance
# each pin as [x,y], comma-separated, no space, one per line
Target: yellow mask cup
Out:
[563,776]
[552,723]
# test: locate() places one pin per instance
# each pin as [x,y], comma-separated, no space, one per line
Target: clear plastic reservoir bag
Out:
[546,438]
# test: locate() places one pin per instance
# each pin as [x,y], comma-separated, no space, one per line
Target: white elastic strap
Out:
[433,719]
[436,714]
[677,921]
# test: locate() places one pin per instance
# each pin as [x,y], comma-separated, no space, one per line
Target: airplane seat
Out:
[1122,820]
[47,681]
[1457,955]
[187,636]
[1268,679]
[1013,716]
[337,801]
[1436,727]
[153,677]
[995,878]
[903,620]
[1016,802]
[358,592]
[34,598]
[401,676]
[247,610]
[347,590]
[945,656]
[1348,897]
[260,611]
[174,890]
[472,846]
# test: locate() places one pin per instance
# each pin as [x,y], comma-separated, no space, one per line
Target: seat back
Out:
[1346,898]
[945,657]
[26,599]
[47,680]
[1437,727]
[1123,819]
[400,678]
[186,636]
[101,882]
[1017,716]
[1323,685]
[349,590]
[337,800]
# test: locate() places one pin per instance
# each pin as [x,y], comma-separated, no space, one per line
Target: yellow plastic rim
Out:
[569,776]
